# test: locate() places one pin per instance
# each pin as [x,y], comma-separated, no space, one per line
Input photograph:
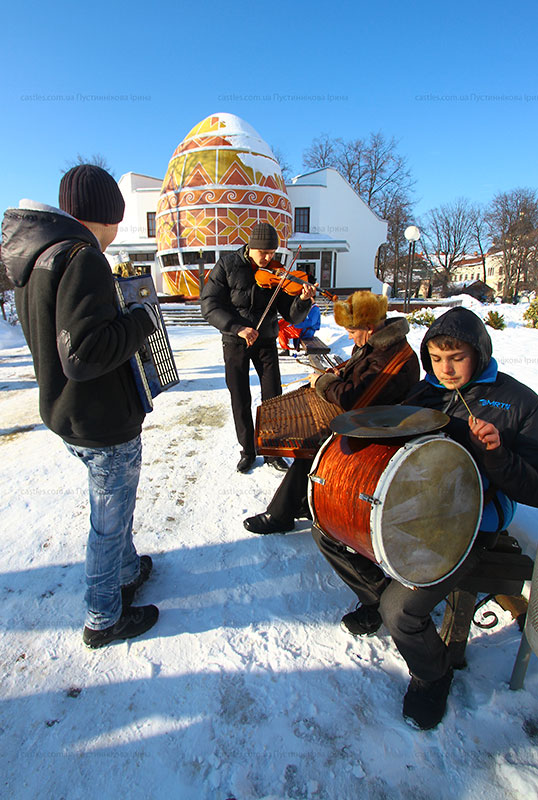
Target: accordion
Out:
[153,366]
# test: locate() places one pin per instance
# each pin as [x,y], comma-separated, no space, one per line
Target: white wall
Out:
[336,210]
[141,194]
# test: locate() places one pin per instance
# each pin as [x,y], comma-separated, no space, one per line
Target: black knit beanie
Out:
[263,237]
[89,193]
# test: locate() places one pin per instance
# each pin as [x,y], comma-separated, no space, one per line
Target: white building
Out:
[136,233]
[338,233]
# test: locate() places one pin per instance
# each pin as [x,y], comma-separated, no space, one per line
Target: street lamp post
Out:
[412,234]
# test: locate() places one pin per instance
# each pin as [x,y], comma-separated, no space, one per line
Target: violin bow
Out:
[278,288]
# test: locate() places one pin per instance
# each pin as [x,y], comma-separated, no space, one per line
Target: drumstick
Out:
[294,381]
[465,404]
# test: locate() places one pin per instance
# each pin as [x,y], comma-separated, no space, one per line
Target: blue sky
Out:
[456,84]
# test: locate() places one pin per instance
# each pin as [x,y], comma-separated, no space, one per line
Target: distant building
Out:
[470,268]
[221,180]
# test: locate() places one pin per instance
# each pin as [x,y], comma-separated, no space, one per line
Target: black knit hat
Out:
[89,193]
[263,237]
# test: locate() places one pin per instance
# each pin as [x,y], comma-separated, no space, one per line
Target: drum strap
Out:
[390,369]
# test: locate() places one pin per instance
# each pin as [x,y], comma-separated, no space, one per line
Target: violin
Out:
[270,277]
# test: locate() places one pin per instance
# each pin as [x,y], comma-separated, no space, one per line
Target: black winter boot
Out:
[364,621]
[133,622]
[424,704]
[128,591]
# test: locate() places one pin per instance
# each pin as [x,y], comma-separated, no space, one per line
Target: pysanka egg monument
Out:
[221,180]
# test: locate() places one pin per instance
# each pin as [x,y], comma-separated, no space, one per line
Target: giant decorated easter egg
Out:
[221,180]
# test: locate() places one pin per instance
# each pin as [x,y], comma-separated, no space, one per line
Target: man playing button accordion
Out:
[495,418]
[81,345]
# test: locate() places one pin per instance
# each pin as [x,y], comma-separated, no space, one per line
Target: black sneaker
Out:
[245,463]
[424,704]
[277,463]
[133,622]
[364,621]
[265,523]
[128,591]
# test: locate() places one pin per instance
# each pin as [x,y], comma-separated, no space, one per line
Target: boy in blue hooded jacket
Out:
[502,436]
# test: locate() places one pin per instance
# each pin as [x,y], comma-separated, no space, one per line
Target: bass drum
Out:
[414,507]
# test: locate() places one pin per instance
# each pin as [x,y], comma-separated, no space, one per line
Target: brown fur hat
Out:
[361,310]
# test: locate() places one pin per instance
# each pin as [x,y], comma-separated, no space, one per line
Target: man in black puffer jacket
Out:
[81,345]
[502,437]
[234,303]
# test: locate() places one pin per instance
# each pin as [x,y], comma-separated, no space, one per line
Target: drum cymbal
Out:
[385,422]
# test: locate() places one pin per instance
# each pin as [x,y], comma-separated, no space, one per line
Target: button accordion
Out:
[153,366]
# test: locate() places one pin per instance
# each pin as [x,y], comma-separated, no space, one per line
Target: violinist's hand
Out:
[485,432]
[249,335]
[307,292]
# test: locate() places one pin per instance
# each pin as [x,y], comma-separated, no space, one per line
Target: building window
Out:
[302,220]
[142,256]
[207,257]
[170,260]
[150,216]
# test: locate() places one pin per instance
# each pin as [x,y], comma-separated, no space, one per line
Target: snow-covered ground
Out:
[247,687]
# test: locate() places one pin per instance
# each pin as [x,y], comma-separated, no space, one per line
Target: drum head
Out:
[388,422]
[429,509]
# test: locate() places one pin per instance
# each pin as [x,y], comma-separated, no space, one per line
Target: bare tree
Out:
[380,175]
[285,167]
[372,166]
[480,235]
[447,233]
[397,210]
[513,224]
[321,153]
[97,159]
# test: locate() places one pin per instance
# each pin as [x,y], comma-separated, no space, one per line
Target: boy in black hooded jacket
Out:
[502,437]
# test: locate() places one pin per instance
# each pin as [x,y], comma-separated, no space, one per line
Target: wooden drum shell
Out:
[413,507]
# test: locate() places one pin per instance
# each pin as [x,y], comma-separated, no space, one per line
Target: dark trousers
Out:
[290,497]
[237,358]
[405,611]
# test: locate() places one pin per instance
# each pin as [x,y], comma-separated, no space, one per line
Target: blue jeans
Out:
[111,557]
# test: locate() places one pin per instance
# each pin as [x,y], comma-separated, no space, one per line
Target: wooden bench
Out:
[314,346]
[500,575]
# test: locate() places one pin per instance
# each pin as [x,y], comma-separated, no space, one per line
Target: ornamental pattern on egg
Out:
[221,180]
